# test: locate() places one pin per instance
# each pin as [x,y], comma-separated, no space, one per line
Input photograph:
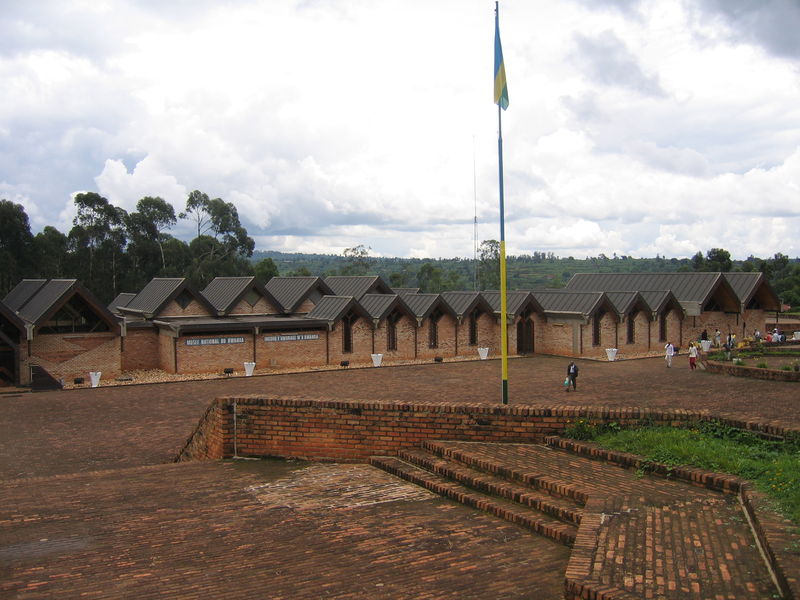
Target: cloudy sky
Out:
[634,127]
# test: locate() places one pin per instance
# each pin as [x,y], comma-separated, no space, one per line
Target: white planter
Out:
[611,353]
[797,335]
[248,368]
[483,353]
[94,377]
[377,359]
[706,345]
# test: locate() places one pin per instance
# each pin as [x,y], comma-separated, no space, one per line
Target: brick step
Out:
[563,509]
[553,486]
[514,512]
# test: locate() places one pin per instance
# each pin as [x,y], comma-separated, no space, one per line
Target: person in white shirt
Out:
[692,356]
[670,352]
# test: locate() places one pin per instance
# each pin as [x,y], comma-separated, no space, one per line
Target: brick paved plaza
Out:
[91,504]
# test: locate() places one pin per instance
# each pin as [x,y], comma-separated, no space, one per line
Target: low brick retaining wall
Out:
[354,431]
[753,372]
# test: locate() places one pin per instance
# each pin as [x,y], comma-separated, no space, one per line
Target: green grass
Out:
[774,467]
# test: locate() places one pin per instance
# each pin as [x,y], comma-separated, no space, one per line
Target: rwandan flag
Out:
[500,84]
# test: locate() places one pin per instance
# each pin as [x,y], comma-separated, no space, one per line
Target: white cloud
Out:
[634,127]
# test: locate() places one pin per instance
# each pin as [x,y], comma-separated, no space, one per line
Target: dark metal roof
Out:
[405,291]
[22,292]
[422,305]
[45,298]
[332,308]
[221,292]
[187,325]
[563,301]
[52,295]
[687,287]
[748,285]
[379,306]
[627,302]
[155,294]
[357,286]
[517,302]
[464,303]
[224,293]
[290,292]
[659,300]
[122,299]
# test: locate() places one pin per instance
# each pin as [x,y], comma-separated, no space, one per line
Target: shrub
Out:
[738,362]
[762,365]
[786,368]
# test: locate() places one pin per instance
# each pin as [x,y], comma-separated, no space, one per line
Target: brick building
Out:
[307,321]
[53,330]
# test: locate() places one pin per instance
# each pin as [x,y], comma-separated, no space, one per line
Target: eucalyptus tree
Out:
[16,242]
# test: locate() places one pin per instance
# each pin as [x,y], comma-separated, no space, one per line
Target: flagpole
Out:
[503,303]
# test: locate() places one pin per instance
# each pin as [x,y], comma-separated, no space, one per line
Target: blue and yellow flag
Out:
[500,84]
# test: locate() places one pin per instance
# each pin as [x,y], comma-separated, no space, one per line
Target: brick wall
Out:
[214,357]
[556,337]
[336,430]
[447,338]
[66,356]
[291,353]
[193,309]
[262,307]
[405,330]
[362,344]
[140,350]
[166,352]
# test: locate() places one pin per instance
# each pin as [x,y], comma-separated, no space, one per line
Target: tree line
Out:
[111,250]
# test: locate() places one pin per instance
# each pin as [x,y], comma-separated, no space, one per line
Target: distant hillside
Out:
[524,272]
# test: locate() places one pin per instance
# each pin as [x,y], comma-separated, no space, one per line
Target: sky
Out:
[635,127]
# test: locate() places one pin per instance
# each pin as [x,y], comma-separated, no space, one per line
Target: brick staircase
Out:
[632,535]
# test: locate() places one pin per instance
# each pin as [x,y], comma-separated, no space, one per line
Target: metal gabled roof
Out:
[224,293]
[22,292]
[334,308]
[290,292]
[627,302]
[747,285]
[160,292]
[406,291]
[122,299]
[357,285]
[687,287]
[566,301]
[658,300]
[379,306]
[464,303]
[45,298]
[422,305]
[52,295]
[517,301]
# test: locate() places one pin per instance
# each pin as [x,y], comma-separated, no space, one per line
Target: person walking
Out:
[692,356]
[669,353]
[572,377]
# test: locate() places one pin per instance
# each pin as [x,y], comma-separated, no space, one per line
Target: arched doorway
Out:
[525,334]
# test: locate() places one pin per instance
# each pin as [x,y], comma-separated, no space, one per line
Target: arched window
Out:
[433,329]
[347,333]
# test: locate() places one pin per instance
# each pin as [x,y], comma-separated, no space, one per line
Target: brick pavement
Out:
[244,530]
[193,530]
[114,427]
